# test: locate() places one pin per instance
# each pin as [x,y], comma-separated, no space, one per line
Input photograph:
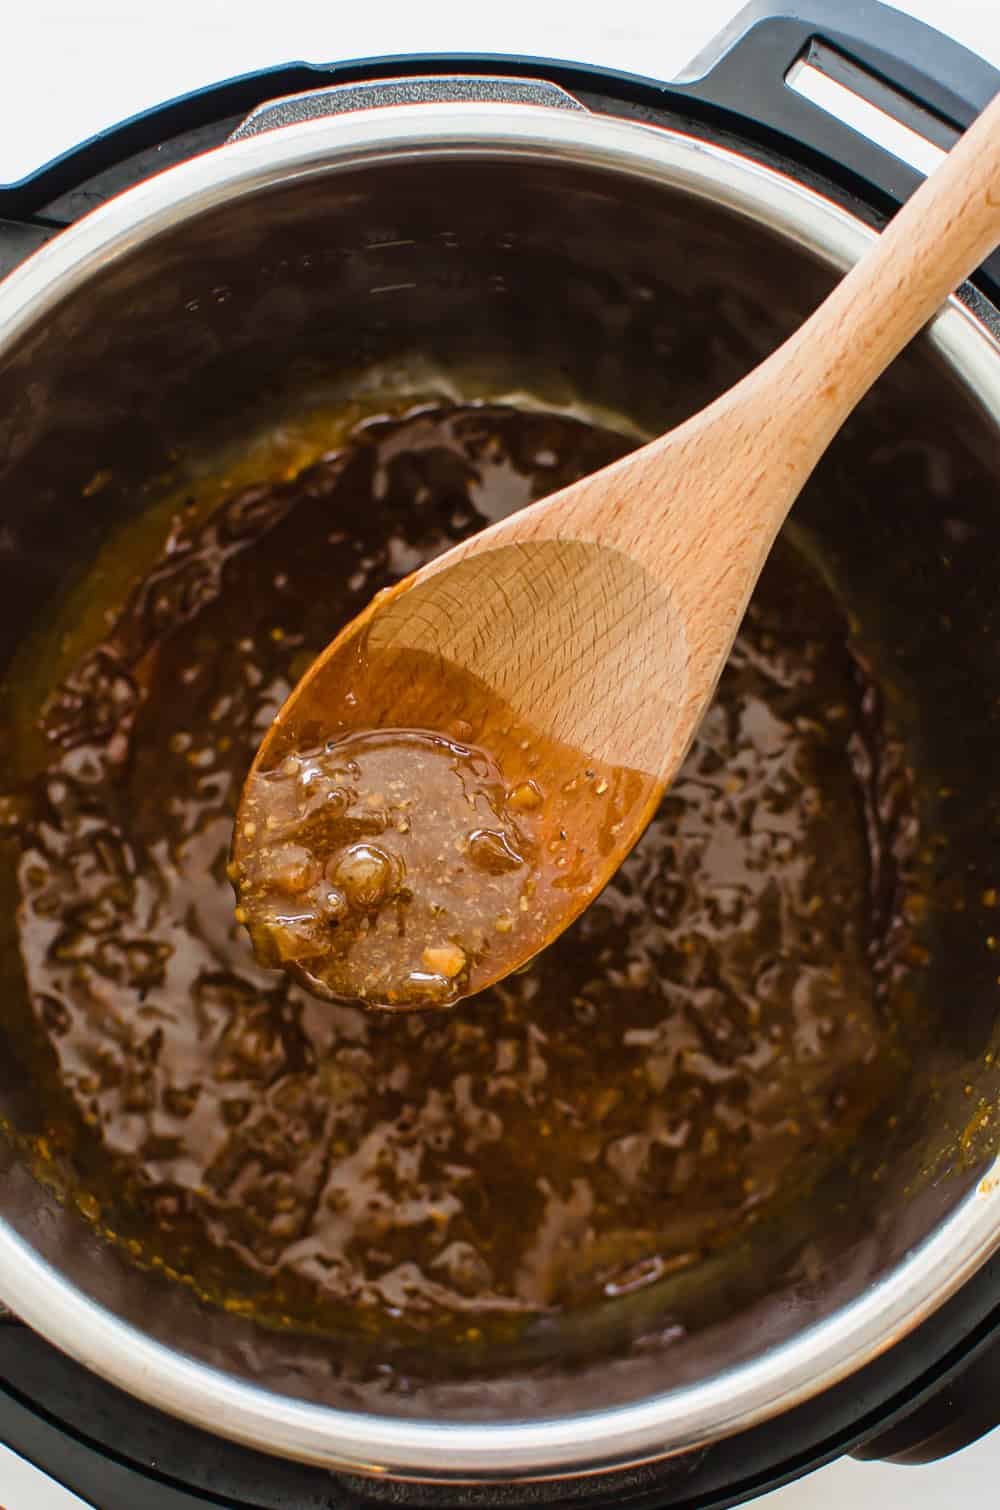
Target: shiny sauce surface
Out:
[695,1051]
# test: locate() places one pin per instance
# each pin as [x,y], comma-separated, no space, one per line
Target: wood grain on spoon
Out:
[567,653]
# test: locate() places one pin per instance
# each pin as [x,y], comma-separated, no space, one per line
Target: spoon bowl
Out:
[576,741]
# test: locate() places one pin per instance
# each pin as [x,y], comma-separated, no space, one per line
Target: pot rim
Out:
[675,1420]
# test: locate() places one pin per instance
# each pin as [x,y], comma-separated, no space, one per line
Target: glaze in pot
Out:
[630,271]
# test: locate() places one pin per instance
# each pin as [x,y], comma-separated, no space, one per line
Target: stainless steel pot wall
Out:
[516,246]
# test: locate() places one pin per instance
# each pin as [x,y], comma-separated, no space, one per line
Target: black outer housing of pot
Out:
[938,1389]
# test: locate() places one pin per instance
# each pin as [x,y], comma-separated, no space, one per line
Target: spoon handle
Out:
[936,240]
[702,504]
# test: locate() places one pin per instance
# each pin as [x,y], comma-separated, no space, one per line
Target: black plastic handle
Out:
[935,78]
[962,1411]
[914,73]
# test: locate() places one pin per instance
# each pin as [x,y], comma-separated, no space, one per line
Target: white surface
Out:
[70,68]
[21,1488]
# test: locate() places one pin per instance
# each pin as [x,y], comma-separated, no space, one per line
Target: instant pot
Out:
[125,263]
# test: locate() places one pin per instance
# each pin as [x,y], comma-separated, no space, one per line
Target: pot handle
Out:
[428,89]
[819,74]
[955,1414]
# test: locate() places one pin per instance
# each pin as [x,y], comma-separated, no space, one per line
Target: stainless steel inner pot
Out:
[516,246]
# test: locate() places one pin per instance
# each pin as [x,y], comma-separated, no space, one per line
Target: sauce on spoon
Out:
[405,865]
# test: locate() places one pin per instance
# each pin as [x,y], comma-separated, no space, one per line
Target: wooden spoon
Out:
[578,642]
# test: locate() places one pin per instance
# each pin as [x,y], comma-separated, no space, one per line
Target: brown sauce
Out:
[700,1047]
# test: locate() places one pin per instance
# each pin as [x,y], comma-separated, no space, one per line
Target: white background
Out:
[70,68]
